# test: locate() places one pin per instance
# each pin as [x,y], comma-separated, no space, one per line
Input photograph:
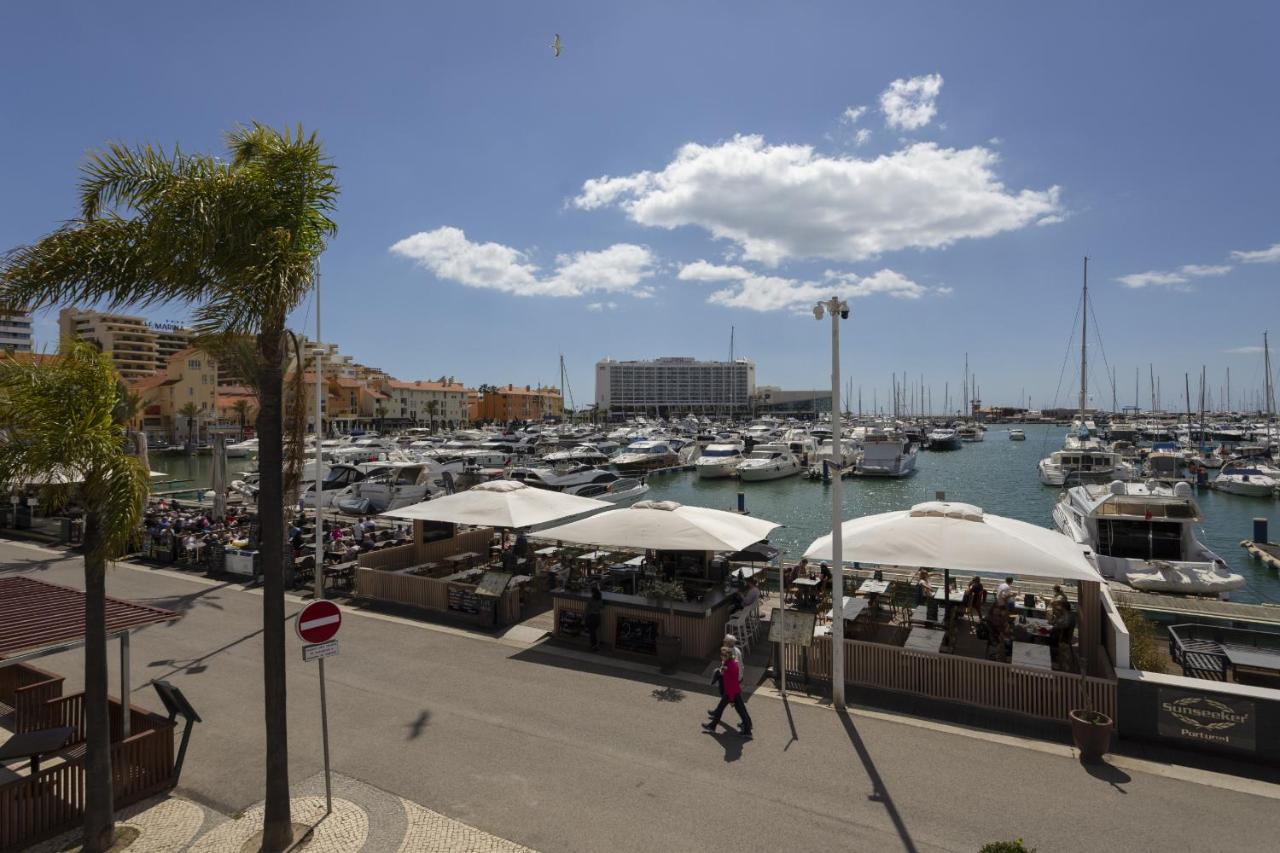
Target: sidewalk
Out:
[364,818]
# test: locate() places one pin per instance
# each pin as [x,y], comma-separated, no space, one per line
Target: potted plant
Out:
[1090,729]
[668,643]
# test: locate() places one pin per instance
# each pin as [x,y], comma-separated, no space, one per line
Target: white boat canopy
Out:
[500,503]
[665,526]
[960,537]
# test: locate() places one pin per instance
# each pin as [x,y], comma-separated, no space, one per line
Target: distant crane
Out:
[555,45]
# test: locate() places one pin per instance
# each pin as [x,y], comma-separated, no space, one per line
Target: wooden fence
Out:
[700,636]
[33,808]
[26,689]
[426,593]
[416,553]
[987,684]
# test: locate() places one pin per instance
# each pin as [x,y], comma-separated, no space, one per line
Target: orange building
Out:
[513,403]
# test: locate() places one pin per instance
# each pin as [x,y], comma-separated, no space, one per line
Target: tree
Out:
[380,412]
[190,412]
[238,239]
[61,417]
[432,407]
[242,408]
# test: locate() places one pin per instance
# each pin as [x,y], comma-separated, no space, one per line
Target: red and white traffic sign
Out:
[319,622]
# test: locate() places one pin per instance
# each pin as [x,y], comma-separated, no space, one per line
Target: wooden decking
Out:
[1266,614]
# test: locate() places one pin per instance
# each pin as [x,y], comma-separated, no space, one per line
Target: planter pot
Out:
[668,653]
[1091,730]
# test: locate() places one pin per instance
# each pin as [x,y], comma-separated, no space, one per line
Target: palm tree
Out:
[190,412]
[239,240]
[242,408]
[62,417]
[432,407]
[380,412]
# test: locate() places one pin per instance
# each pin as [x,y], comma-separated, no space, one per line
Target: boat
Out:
[971,432]
[718,460]
[1246,477]
[645,456]
[336,479]
[886,453]
[1016,434]
[621,490]
[768,462]
[1143,535]
[388,486]
[1067,467]
[241,449]
[943,438]
[1167,463]
[582,480]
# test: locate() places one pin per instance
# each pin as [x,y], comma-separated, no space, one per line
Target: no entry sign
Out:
[319,622]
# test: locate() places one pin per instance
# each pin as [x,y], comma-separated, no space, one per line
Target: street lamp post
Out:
[839,310]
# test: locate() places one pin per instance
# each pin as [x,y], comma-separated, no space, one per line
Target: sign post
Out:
[317,626]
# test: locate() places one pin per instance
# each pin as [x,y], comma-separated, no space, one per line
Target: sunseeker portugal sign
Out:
[1213,719]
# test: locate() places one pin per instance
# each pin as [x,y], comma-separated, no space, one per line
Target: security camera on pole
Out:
[839,310]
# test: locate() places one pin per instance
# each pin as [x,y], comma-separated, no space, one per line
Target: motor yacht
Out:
[389,486]
[971,432]
[582,480]
[1168,464]
[1083,466]
[886,453]
[1246,477]
[645,456]
[1016,434]
[1143,535]
[718,460]
[241,449]
[621,490]
[768,462]
[336,479]
[943,438]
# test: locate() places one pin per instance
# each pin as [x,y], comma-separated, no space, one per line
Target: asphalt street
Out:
[562,755]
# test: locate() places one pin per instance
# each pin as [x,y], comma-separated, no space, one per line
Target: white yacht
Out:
[845,459]
[718,460]
[1143,535]
[886,453]
[1169,465]
[389,486]
[336,479]
[1063,467]
[768,462]
[1016,434]
[971,432]
[645,456]
[584,481]
[943,438]
[241,449]
[618,491]
[1246,477]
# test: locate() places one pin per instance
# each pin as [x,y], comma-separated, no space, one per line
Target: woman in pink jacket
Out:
[731,680]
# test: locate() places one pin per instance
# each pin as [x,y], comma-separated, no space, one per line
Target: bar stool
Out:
[739,627]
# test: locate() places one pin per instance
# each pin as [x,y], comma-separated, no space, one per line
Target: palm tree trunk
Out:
[99,808]
[277,829]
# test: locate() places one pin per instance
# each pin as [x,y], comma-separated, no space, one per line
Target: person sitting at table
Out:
[1062,627]
[801,570]
[521,547]
[975,597]
[1005,594]
[295,538]
[998,628]
[924,589]
[747,598]
[1060,598]
[824,575]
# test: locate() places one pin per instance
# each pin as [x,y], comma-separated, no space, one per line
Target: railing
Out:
[1044,694]
[415,554]
[413,590]
[26,689]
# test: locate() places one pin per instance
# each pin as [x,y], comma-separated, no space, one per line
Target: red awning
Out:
[35,615]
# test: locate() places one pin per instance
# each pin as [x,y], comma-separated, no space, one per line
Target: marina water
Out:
[997,474]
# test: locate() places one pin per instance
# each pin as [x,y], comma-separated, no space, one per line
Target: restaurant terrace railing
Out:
[25,689]
[1048,695]
[435,594]
[39,806]
[417,553]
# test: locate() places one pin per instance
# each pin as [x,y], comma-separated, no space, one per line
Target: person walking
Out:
[594,610]
[731,685]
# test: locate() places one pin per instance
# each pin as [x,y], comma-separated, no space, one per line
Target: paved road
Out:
[562,756]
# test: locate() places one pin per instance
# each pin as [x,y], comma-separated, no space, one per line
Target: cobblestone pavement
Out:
[364,818]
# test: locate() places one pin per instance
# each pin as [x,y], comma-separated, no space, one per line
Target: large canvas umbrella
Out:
[665,526]
[958,537]
[500,503]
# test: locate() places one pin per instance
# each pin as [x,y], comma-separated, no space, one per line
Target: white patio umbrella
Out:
[665,526]
[500,503]
[959,537]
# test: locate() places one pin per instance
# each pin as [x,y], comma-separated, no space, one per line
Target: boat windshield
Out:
[764,454]
[719,451]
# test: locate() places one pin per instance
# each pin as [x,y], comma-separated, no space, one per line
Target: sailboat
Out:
[1078,462]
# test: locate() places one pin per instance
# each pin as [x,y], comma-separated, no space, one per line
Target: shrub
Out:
[1007,847]
[1144,648]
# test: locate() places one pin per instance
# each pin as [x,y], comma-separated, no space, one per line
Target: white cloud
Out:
[911,104]
[1178,279]
[1253,350]
[852,114]
[783,201]
[1260,256]
[758,292]
[861,137]
[602,306]
[995,141]
[448,254]
[1051,219]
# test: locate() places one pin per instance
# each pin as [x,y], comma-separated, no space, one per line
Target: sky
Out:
[687,171]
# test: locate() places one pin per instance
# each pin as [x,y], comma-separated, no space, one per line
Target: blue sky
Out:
[543,205]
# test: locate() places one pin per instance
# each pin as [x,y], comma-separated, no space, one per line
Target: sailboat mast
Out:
[1084,343]
[1271,391]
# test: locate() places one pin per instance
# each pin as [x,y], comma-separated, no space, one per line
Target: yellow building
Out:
[513,403]
[180,403]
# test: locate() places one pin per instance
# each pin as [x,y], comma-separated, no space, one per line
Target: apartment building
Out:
[190,377]
[513,403]
[15,331]
[444,404]
[137,347]
[672,386]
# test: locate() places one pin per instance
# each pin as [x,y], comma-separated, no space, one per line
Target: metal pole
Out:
[324,733]
[837,500]
[124,684]
[782,610]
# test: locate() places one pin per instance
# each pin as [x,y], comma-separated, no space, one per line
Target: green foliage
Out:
[62,431]
[664,591]
[1007,847]
[1144,646]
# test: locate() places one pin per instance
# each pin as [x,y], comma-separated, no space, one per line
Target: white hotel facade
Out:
[675,386]
[15,331]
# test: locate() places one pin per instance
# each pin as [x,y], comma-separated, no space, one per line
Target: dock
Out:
[1267,552]
[1191,608]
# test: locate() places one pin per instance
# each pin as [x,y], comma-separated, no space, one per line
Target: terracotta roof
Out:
[146,383]
[347,382]
[183,353]
[35,614]
[423,385]
[540,392]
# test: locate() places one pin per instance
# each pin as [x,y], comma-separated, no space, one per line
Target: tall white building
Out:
[15,331]
[675,386]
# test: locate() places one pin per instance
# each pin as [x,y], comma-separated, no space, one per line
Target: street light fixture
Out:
[838,310]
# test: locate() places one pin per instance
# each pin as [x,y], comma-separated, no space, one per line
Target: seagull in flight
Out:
[555,45]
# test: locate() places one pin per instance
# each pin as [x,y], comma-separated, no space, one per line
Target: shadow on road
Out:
[795,736]
[730,741]
[879,793]
[183,603]
[194,666]
[1109,773]
[417,726]
[668,694]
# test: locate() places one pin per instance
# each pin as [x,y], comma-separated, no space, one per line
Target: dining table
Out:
[1031,656]
[34,744]
[851,609]
[922,639]
[873,586]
